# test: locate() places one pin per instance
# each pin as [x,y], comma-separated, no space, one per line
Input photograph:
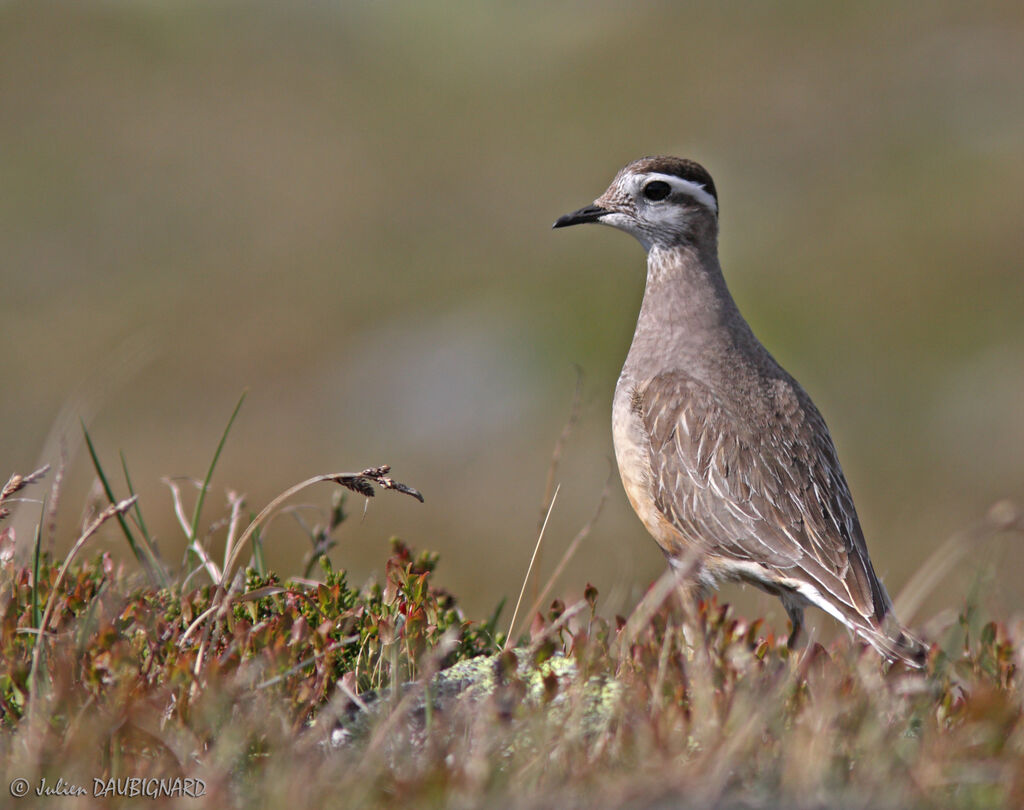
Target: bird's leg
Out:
[689,602]
[796,618]
[690,591]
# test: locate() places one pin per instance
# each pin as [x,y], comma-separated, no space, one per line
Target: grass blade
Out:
[110,493]
[147,540]
[35,569]
[209,473]
[153,569]
[136,509]
[258,563]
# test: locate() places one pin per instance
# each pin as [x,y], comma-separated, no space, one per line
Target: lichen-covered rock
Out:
[513,684]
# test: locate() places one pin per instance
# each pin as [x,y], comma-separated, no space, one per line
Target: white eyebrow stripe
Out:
[695,190]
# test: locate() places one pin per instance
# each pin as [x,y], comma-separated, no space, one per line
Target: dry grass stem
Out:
[110,511]
[529,568]
[1004,516]
[361,483]
[559,448]
[194,545]
[18,482]
[571,549]
[556,458]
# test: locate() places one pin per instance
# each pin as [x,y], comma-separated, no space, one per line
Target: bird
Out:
[722,454]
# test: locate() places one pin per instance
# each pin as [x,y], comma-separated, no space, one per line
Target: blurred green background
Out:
[345,209]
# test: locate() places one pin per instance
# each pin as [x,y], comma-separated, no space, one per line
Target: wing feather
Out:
[766,490]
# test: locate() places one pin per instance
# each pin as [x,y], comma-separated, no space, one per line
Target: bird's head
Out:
[663,201]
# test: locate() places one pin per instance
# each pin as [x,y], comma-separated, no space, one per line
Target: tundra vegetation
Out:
[312,691]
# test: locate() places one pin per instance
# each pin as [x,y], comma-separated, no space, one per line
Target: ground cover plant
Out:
[256,690]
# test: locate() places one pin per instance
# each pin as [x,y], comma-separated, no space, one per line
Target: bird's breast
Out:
[632,454]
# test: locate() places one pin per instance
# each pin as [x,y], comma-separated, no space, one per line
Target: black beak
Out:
[589,213]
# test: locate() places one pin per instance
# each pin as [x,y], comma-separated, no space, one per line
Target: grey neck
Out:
[688,319]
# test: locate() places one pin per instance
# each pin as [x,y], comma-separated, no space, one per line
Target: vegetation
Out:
[308,692]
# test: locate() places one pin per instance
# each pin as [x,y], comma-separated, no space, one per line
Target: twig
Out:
[353,696]
[305,663]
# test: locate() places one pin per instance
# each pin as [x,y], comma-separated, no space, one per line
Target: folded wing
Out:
[759,482]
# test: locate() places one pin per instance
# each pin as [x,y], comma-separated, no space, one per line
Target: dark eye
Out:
[657,190]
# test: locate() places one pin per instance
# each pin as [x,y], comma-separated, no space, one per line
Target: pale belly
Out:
[632,454]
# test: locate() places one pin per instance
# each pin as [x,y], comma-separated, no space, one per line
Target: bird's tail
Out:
[883,631]
[894,642]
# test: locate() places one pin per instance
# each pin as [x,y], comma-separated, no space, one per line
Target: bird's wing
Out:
[766,490]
